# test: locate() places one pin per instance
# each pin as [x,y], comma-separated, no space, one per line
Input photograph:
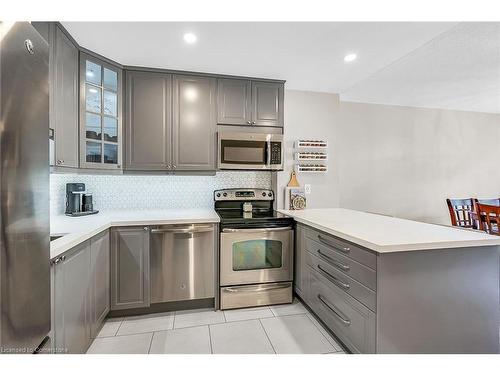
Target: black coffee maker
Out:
[78,201]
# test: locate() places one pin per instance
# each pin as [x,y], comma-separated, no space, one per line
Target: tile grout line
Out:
[268,339]
[210,339]
[311,318]
[151,342]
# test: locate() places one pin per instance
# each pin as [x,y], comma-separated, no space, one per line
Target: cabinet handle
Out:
[146,228]
[333,279]
[60,161]
[333,262]
[342,318]
[167,166]
[253,122]
[249,122]
[174,166]
[63,257]
[326,242]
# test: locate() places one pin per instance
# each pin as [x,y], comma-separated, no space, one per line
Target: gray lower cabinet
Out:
[130,270]
[194,124]
[249,102]
[71,302]
[80,294]
[100,280]
[148,120]
[339,289]
[300,270]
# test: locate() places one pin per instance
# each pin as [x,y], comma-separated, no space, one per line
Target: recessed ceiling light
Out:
[350,57]
[190,38]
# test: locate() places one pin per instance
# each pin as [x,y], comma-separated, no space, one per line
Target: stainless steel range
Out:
[256,249]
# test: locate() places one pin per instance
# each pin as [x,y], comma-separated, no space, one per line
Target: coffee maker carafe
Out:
[78,201]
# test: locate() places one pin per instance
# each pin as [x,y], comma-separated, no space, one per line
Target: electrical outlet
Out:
[307,188]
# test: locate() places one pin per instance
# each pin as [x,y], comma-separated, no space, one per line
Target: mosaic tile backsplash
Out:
[145,192]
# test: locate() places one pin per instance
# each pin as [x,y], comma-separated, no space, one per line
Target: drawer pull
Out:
[333,279]
[333,262]
[344,249]
[342,318]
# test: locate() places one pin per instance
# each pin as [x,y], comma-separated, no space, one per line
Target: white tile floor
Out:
[284,329]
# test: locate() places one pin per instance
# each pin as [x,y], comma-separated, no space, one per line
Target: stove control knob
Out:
[269,194]
[263,193]
[218,195]
[224,194]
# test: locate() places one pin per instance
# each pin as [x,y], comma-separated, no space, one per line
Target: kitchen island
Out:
[388,285]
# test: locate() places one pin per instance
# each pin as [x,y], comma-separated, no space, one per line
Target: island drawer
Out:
[348,249]
[352,322]
[348,266]
[334,278]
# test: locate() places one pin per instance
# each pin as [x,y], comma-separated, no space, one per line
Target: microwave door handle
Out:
[268,153]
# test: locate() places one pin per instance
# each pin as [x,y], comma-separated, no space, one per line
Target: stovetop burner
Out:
[229,206]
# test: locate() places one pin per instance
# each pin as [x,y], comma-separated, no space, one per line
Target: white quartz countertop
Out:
[385,234]
[79,229]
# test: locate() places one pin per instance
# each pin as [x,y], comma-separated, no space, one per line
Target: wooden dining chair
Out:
[460,212]
[489,202]
[489,218]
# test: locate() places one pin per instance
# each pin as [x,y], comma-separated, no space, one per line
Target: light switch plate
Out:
[307,188]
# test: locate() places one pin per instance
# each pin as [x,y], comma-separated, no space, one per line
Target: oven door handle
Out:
[257,288]
[255,230]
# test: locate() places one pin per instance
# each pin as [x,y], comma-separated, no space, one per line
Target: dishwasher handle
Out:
[190,229]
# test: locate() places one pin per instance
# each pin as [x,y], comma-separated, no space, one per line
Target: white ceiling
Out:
[459,69]
[309,56]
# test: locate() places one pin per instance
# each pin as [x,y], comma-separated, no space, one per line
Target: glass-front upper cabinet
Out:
[100,114]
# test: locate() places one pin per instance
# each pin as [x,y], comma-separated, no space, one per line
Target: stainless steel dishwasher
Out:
[182,262]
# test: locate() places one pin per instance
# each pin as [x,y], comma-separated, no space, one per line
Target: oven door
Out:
[254,151]
[258,255]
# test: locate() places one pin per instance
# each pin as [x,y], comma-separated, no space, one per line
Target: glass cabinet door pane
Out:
[110,79]
[110,129]
[92,126]
[93,152]
[93,98]
[93,72]
[257,254]
[110,103]
[110,153]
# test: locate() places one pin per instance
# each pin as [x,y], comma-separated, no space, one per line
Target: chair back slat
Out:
[460,212]
[489,218]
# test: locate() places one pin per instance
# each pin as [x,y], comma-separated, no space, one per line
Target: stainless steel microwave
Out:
[250,151]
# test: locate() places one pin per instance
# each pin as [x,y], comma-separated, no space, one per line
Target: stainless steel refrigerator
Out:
[24,189]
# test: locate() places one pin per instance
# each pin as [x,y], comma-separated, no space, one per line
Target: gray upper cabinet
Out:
[234,102]
[148,120]
[170,122]
[246,102]
[100,281]
[194,123]
[63,97]
[71,302]
[100,114]
[130,268]
[267,103]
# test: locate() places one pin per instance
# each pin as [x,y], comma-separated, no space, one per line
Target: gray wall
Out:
[310,115]
[399,161]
